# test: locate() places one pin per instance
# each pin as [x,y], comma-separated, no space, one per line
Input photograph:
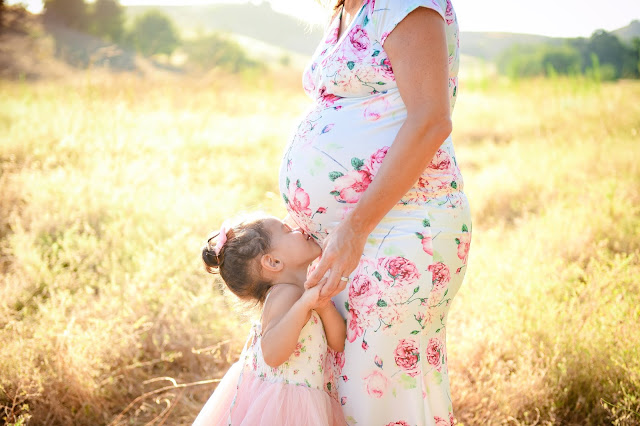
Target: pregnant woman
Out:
[370,172]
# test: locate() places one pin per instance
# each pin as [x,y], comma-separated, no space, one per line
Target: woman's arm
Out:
[417,50]
[334,326]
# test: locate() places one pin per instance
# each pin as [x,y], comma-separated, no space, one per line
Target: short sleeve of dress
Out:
[389,13]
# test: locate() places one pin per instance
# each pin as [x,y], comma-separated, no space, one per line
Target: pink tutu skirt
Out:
[265,403]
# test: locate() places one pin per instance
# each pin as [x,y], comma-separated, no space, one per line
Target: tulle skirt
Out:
[263,403]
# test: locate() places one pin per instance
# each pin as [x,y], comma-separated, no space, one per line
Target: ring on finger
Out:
[346,279]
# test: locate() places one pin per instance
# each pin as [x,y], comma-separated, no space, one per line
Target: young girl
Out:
[279,377]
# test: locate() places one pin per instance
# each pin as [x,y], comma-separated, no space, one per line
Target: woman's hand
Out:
[341,253]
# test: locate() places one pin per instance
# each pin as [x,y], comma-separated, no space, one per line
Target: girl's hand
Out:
[341,253]
[313,299]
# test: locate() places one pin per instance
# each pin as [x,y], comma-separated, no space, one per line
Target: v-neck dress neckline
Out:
[339,37]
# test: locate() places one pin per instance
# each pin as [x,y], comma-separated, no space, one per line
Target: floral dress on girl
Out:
[255,394]
[393,371]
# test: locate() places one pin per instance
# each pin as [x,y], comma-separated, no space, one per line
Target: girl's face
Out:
[292,246]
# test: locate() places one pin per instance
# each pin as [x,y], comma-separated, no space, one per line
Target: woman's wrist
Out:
[360,225]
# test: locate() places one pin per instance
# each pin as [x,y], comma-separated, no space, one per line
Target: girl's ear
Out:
[271,263]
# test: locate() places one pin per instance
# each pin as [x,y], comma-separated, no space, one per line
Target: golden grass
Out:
[107,187]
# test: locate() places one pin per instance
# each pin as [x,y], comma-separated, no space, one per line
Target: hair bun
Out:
[212,261]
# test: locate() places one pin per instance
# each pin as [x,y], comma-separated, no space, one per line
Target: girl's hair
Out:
[238,261]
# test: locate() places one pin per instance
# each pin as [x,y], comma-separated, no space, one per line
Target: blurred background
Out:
[129,130]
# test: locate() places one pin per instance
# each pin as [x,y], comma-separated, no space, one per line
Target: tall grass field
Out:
[108,186]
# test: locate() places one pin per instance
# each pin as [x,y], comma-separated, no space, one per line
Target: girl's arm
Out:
[284,315]
[334,326]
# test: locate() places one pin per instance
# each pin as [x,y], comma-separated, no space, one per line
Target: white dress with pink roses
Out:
[394,367]
[254,394]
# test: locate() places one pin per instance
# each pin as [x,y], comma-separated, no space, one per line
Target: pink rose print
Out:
[401,270]
[296,352]
[328,99]
[374,162]
[431,185]
[407,356]
[358,42]
[353,327]
[363,293]
[449,13]
[349,187]
[434,352]
[375,108]
[359,39]
[333,35]
[392,314]
[308,83]
[427,244]
[441,275]
[441,161]
[299,201]
[339,359]
[388,70]
[365,345]
[377,361]
[376,383]
[452,420]
[398,423]
[343,400]
[440,421]
[463,247]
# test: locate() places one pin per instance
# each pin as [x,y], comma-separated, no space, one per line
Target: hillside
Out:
[629,32]
[489,45]
[261,22]
[255,21]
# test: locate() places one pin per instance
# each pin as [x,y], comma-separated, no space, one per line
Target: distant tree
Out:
[218,51]
[154,33]
[635,45]
[70,13]
[1,13]
[107,20]
[610,50]
[520,61]
[561,59]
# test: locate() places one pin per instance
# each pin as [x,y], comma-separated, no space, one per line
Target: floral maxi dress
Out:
[393,370]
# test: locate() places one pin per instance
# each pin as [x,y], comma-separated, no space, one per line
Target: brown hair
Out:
[238,261]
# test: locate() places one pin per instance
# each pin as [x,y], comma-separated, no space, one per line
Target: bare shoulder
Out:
[280,300]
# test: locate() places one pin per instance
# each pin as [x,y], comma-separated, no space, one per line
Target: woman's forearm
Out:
[413,149]
[334,327]
[280,340]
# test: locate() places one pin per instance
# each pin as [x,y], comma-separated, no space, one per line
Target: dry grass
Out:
[109,185]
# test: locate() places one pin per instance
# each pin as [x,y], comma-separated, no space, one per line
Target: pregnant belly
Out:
[336,152]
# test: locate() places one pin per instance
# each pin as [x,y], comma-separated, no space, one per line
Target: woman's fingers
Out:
[314,278]
[332,282]
[335,290]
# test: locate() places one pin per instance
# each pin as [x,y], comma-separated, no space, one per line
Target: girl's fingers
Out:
[332,283]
